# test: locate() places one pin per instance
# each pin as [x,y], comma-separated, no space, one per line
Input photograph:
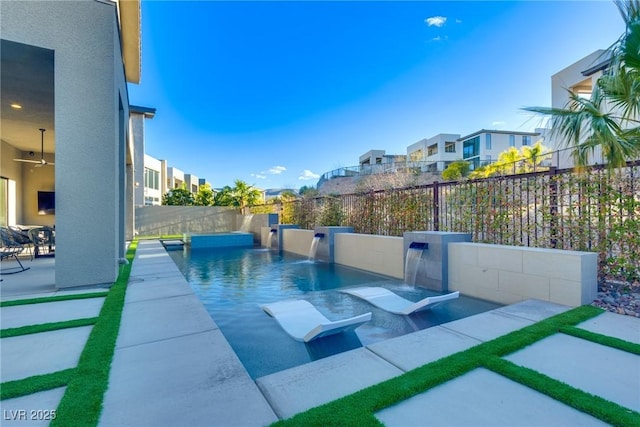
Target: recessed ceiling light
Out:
[16,106]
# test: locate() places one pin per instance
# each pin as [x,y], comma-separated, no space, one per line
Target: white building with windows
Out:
[484,146]
[154,182]
[438,151]
[579,78]
[191,182]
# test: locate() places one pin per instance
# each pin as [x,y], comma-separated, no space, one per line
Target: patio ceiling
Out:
[26,79]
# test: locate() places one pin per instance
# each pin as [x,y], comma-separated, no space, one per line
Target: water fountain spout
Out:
[313,250]
[419,245]
[412,262]
[272,233]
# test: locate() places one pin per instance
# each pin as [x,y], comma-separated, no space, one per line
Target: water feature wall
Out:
[432,268]
[326,244]
[253,223]
[276,231]
[314,246]
[377,254]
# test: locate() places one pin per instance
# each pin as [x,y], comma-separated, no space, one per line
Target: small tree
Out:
[456,170]
[204,196]
[224,197]
[308,191]
[178,197]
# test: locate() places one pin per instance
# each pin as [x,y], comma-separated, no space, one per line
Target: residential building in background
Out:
[191,182]
[579,78]
[438,151]
[484,146]
[377,161]
[154,182]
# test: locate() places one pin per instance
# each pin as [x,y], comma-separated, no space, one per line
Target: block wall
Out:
[509,274]
[378,254]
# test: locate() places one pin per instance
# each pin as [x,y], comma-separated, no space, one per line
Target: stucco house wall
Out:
[91,115]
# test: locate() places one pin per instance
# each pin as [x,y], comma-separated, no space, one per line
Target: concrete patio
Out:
[172,365]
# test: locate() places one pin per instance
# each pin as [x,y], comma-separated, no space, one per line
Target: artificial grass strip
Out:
[613,342]
[46,327]
[35,384]
[81,404]
[358,409]
[596,406]
[40,300]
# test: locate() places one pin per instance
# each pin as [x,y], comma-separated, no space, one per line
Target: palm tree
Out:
[609,118]
[535,155]
[244,194]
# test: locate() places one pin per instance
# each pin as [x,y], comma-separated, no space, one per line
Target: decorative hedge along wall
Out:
[591,210]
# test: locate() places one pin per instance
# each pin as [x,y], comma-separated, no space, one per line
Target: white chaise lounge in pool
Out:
[388,301]
[304,322]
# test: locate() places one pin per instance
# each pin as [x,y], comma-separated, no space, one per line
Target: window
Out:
[471,148]
[449,147]
[512,140]
[194,188]
[487,140]
[151,179]
[432,150]
[526,140]
[151,201]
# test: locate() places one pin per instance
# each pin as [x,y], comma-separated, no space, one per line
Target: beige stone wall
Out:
[297,241]
[378,254]
[164,220]
[509,274]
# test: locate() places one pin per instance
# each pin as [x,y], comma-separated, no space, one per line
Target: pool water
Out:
[233,284]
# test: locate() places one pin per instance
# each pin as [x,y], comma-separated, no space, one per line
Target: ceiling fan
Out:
[42,161]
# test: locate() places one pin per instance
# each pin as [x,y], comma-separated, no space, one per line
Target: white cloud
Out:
[277,170]
[498,123]
[436,21]
[307,175]
[458,21]
[259,176]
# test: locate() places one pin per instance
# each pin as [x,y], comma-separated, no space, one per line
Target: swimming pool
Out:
[234,283]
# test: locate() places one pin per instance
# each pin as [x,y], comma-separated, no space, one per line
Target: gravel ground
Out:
[619,297]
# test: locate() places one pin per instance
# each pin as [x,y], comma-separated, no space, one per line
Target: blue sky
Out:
[277,93]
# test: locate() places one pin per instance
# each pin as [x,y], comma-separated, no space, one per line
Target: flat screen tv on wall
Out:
[46,203]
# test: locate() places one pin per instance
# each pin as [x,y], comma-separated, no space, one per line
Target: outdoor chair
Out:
[10,249]
[23,238]
[388,301]
[44,241]
[303,322]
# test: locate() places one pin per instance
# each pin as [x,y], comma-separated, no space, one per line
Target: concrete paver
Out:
[34,410]
[169,285]
[303,387]
[534,310]
[483,398]
[162,318]
[487,326]
[604,371]
[614,325]
[23,315]
[194,380]
[35,354]
[419,348]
